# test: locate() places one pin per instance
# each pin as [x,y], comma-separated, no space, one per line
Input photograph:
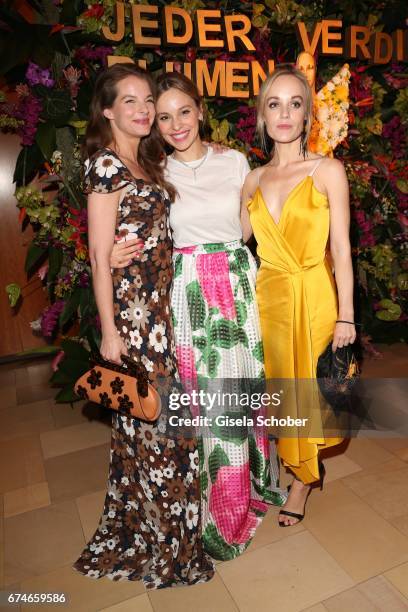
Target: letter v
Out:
[303,36]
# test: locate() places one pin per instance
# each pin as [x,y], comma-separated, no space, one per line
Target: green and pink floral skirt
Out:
[219,350]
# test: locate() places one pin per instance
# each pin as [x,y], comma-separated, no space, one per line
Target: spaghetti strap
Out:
[317,164]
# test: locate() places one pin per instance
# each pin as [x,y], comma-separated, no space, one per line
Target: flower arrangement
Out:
[52,87]
[331,105]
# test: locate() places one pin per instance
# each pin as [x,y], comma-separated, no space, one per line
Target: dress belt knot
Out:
[294,270]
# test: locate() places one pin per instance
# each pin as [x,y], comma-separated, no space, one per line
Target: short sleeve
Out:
[105,173]
[243,167]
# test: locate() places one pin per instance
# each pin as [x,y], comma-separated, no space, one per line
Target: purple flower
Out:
[262,45]
[83,280]
[39,76]
[395,133]
[93,54]
[29,110]
[246,124]
[49,318]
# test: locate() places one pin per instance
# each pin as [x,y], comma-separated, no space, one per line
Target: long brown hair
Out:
[283,69]
[176,80]
[99,134]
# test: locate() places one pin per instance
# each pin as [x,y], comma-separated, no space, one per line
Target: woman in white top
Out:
[216,321]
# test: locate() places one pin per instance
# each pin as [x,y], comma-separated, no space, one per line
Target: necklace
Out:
[194,168]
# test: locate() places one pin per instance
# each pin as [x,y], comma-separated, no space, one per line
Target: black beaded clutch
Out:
[337,374]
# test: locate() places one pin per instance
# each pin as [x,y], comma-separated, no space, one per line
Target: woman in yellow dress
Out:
[298,206]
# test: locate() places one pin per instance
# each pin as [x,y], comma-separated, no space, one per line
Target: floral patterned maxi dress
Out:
[219,350]
[150,526]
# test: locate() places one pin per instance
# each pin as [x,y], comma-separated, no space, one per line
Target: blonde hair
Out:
[280,70]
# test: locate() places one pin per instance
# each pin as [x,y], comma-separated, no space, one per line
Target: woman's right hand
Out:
[123,253]
[112,347]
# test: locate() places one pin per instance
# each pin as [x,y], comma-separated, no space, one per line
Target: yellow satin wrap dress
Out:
[297,302]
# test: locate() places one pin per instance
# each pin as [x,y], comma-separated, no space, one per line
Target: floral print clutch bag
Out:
[124,388]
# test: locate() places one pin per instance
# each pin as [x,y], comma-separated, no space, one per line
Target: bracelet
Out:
[350,322]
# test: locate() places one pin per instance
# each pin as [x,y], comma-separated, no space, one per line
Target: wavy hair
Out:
[99,133]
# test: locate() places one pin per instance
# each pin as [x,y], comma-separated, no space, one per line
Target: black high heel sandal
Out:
[296,515]
[322,473]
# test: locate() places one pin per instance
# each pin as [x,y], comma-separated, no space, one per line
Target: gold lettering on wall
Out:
[238,32]
[204,28]
[170,14]
[153,26]
[139,24]
[381,48]
[308,45]
[328,36]
[120,24]
[232,79]
[357,39]
[210,84]
[258,75]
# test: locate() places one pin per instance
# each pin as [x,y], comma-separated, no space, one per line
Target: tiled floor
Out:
[350,552]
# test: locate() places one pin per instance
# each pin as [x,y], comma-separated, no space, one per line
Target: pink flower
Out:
[367,240]
[50,316]
[73,77]
[231,505]
[359,216]
[403,219]
[246,124]
[57,359]
[42,272]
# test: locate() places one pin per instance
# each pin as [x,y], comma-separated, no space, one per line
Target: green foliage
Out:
[35,254]
[14,292]
[28,161]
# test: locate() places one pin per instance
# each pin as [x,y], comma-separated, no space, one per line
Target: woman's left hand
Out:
[123,253]
[344,334]
[217,147]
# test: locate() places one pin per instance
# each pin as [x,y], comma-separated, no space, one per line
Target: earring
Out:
[303,141]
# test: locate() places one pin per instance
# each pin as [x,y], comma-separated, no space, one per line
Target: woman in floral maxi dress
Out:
[150,526]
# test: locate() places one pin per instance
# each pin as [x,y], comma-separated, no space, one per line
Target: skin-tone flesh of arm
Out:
[248,191]
[336,187]
[101,229]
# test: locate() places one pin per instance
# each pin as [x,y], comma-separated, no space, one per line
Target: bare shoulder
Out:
[252,181]
[330,176]
[331,168]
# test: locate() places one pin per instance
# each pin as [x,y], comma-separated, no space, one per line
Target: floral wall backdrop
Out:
[48,71]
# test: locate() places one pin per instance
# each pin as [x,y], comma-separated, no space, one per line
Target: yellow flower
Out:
[342,92]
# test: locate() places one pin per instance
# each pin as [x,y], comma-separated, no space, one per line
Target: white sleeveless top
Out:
[207,208]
